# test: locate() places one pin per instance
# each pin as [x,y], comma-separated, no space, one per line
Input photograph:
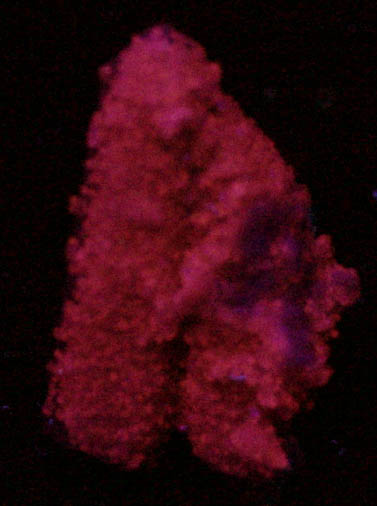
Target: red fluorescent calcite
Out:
[202,298]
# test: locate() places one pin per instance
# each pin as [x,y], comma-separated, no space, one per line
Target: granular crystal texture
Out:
[194,233]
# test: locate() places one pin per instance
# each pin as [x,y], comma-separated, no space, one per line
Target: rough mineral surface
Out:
[202,299]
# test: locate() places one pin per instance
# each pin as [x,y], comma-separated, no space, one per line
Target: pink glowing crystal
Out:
[195,231]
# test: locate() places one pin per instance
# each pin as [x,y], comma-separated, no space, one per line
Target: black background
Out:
[306,74]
